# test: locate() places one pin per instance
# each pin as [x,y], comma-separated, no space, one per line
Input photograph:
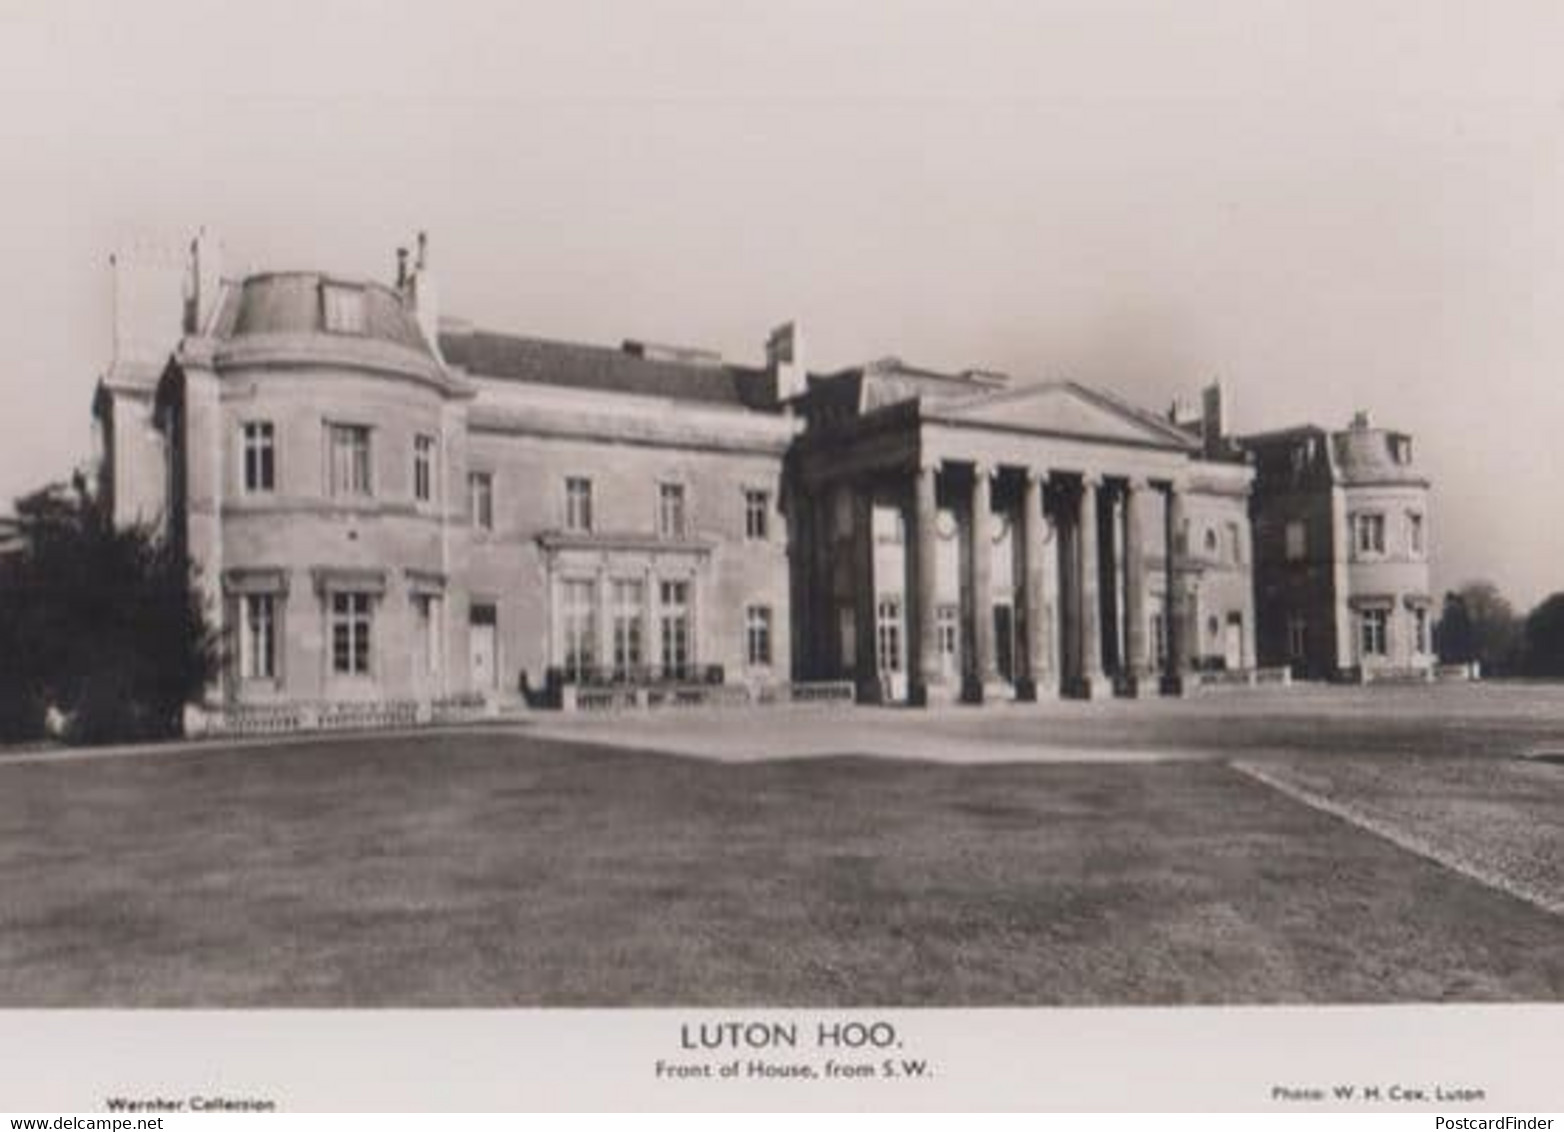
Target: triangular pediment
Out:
[1063,408]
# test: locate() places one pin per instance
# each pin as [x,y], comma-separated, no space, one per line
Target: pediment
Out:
[1065,409]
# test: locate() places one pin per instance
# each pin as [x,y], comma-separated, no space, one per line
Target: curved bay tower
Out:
[393,513]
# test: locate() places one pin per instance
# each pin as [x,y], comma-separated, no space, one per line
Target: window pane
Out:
[578,504]
[757,506]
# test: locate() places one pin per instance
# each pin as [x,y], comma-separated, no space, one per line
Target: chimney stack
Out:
[1213,417]
[423,298]
[785,362]
[401,271]
[206,280]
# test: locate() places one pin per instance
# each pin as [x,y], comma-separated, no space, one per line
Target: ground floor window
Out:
[757,635]
[258,637]
[350,633]
[579,624]
[1372,635]
[1159,637]
[1420,630]
[426,633]
[675,625]
[629,599]
[888,635]
[947,635]
[1297,638]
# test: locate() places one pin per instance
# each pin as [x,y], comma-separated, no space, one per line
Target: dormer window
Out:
[342,308]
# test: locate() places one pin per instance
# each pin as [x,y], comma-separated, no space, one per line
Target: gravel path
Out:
[1500,822]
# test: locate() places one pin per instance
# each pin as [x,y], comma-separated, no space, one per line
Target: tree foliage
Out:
[1545,638]
[98,622]
[1478,623]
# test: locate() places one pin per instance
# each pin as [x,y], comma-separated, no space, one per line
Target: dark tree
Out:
[1545,638]
[1454,631]
[1478,623]
[101,623]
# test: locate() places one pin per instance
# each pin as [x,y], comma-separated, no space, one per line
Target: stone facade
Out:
[385,507]
[1341,524]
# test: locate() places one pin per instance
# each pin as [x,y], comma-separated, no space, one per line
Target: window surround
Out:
[480,500]
[1368,534]
[348,433]
[343,309]
[1374,631]
[352,650]
[260,622]
[1417,533]
[757,514]
[673,509]
[240,586]
[577,505]
[426,463]
[758,632]
[257,457]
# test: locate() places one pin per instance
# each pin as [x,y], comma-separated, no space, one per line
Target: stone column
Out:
[980,546]
[1067,561]
[867,670]
[1034,656]
[1091,684]
[1135,663]
[1108,579]
[923,645]
[1173,667]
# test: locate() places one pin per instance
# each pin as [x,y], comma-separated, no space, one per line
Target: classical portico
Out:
[990,548]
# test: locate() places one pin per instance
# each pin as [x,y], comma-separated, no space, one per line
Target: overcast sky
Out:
[1331,206]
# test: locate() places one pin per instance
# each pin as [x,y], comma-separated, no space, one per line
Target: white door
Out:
[481,643]
[890,633]
[1233,645]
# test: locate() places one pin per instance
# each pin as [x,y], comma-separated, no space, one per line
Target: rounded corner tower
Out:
[316,446]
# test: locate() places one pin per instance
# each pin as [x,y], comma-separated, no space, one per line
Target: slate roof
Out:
[1364,456]
[290,303]
[543,361]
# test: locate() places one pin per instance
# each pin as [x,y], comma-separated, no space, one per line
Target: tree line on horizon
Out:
[1478,623]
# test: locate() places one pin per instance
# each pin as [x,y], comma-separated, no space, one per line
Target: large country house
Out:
[391,511]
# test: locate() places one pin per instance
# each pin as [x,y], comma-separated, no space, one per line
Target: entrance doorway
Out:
[890,653]
[482,622]
[1005,641]
[1233,643]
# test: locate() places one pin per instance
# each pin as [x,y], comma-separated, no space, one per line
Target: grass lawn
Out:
[498,869]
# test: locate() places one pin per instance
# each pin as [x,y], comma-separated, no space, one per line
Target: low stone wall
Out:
[610,697]
[345,715]
[1279,676]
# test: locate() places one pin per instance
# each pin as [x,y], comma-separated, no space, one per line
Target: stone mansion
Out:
[384,506]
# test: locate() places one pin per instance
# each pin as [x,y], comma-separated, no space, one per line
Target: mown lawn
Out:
[493,869]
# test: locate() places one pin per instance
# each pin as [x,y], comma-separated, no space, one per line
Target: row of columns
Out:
[1083,571]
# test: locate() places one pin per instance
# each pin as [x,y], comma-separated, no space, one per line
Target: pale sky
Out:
[1331,206]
